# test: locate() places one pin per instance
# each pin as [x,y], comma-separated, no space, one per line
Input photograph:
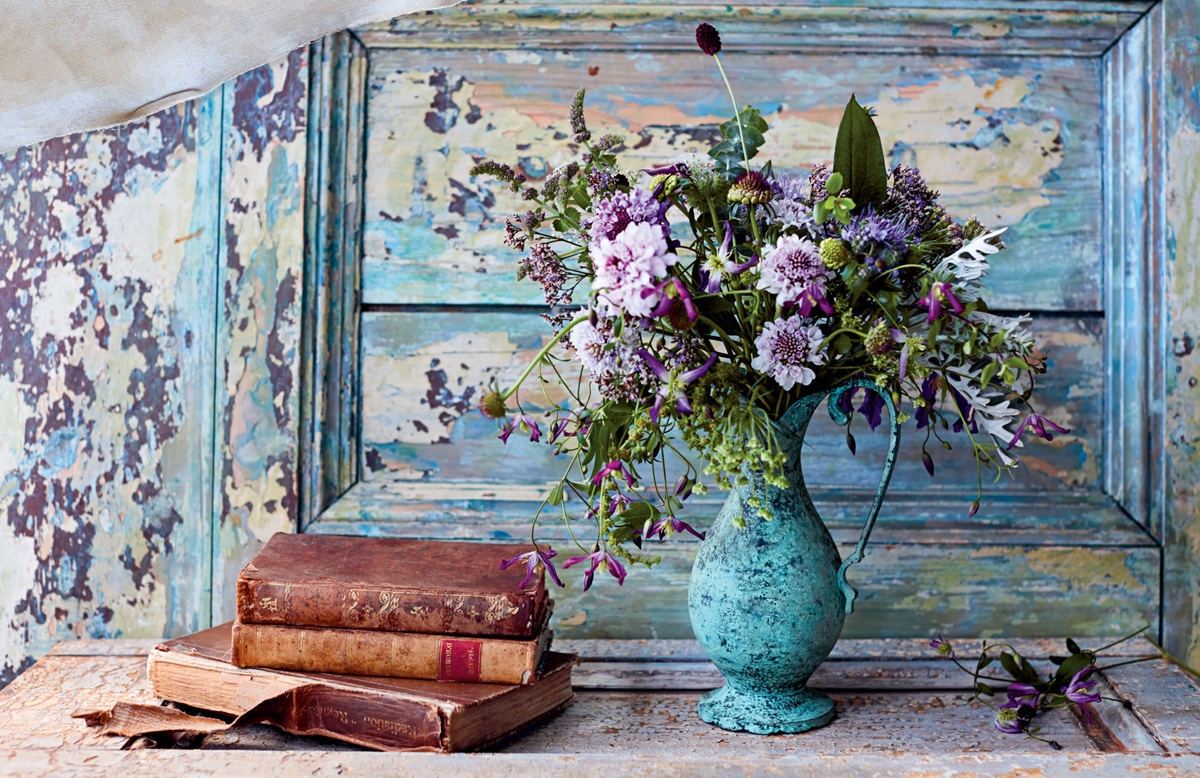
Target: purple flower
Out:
[1009,722]
[794,272]
[965,411]
[532,559]
[674,525]
[598,558]
[505,431]
[872,407]
[610,216]
[1038,424]
[940,293]
[928,393]
[679,168]
[528,424]
[627,268]
[1021,694]
[666,300]
[615,467]
[1079,689]
[673,383]
[557,428]
[942,646]
[786,348]
[719,263]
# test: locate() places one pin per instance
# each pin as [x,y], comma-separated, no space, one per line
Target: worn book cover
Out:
[398,585]
[392,654]
[391,714]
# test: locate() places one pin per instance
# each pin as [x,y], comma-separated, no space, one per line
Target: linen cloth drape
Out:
[72,65]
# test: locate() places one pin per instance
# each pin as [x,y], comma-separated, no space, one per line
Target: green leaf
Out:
[934,331]
[637,513]
[573,214]
[834,183]
[581,197]
[1073,647]
[858,156]
[1019,669]
[984,661]
[1017,362]
[556,495]
[821,213]
[984,689]
[1074,663]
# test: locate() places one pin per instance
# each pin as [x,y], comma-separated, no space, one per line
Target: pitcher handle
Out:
[840,417]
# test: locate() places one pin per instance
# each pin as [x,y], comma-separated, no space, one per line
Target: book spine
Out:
[340,606]
[390,654]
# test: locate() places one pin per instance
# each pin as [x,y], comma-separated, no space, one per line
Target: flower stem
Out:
[540,355]
[737,115]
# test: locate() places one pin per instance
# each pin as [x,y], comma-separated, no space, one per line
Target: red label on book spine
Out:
[459,660]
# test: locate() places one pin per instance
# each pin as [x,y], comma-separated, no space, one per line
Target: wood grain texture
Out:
[257,358]
[1017,150]
[1079,28]
[424,372]
[108,260]
[1179,381]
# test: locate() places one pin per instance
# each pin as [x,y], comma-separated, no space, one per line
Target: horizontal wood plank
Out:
[1166,699]
[1014,149]
[1081,28]
[424,373]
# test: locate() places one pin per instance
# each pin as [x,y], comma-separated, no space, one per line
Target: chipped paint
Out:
[105,382]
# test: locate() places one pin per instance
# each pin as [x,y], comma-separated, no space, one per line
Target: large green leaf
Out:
[858,156]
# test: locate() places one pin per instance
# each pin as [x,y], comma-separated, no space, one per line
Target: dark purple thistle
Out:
[1038,424]
[708,39]
[532,559]
[598,557]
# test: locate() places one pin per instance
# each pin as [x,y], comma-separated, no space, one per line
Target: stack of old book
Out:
[394,644]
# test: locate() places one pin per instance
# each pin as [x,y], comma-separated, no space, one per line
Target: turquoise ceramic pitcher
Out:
[768,601]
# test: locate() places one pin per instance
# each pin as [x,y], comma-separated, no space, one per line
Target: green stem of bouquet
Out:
[737,114]
[537,360]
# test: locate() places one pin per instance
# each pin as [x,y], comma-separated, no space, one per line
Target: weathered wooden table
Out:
[901,712]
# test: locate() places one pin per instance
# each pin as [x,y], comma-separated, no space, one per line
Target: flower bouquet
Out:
[706,348]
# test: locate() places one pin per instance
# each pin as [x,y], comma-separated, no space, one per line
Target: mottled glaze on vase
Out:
[768,601]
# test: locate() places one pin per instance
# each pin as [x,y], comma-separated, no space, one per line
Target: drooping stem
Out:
[540,355]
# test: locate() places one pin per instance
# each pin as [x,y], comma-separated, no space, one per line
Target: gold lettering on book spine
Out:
[389,602]
[390,727]
[500,609]
[269,604]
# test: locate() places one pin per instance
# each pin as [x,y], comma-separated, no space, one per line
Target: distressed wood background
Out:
[179,373]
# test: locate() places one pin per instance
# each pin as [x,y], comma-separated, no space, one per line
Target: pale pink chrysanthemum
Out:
[628,267]
[792,270]
[786,349]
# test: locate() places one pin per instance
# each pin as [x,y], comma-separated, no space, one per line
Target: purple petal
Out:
[1017,435]
[656,367]
[616,569]
[903,361]
[872,408]
[683,406]
[654,409]
[712,281]
[698,372]
[728,239]
[744,266]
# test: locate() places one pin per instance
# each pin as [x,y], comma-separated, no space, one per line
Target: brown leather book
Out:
[391,654]
[398,585]
[391,714]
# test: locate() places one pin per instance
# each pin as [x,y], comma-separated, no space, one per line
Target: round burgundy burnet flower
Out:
[708,39]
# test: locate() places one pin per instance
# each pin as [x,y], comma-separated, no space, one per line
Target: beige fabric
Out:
[73,65]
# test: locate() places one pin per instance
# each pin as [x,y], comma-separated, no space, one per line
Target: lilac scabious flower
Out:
[629,266]
[610,216]
[673,383]
[794,272]
[598,558]
[532,560]
[1038,424]
[942,645]
[786,348]
[589,342]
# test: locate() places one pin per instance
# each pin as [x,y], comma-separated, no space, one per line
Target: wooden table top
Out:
[901,712]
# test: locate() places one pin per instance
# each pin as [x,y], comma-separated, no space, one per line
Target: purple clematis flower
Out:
[965,411]
[1039,424]
[527,424]
[928,393]
[598,558]
[532,559]
[722,263]
[664,303]
[1021,694]
[679,168]
[674,525]
[942,646]
[557,428]
[615,467]
[1079,689]
[940,293]
[1009,722]
[673,383]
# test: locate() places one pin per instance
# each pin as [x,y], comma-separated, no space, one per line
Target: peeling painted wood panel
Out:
[333,221]
[1165,698]
[108,261]
[1000,142]
[934,516]
[911,584]
[1179,381]
[952,28]
[424,372]
[257,357]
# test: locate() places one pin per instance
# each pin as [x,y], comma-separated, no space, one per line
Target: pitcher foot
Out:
[766,714]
